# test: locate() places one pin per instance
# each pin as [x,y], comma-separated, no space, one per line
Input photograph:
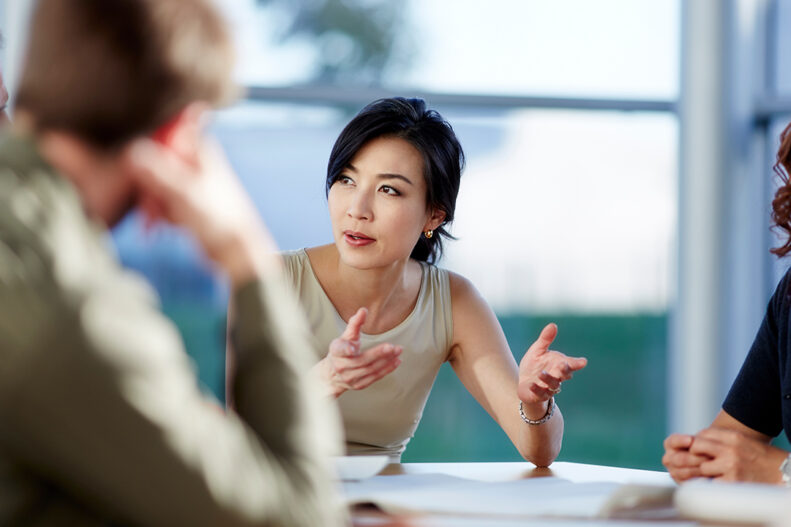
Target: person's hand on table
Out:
[542,371]
[733,456]
[347,368]
[679,461]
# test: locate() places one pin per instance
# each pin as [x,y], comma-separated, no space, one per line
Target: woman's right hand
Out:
[347,368]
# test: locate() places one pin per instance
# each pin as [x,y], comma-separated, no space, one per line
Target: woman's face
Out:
[378,204]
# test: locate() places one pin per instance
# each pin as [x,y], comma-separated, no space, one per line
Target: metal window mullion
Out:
[336,95]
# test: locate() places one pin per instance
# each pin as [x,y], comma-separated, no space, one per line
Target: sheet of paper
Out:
[547,497]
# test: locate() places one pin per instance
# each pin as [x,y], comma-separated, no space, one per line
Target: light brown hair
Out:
[111,70]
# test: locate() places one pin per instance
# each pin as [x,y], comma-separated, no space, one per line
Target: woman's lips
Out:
[357,239]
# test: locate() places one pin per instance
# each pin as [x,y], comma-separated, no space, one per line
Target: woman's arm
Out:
[481,358]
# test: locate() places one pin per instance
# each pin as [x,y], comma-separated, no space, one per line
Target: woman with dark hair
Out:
[392,181]
[736,447]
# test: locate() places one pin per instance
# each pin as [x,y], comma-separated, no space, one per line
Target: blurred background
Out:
[618,183]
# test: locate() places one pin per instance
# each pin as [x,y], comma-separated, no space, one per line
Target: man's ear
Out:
[435,219]
[182,133]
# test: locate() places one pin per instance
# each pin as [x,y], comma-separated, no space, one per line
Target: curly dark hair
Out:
[781,204]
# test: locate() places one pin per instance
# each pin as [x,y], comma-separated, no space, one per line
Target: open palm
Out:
[542,370]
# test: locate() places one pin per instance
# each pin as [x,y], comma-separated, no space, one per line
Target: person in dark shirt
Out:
[758,406]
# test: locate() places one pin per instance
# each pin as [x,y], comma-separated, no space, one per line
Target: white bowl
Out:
[359,467]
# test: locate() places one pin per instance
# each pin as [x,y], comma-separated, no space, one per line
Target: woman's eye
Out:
[387,189]
[344,180]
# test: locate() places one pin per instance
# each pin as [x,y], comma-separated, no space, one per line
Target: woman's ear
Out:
[435,219]
[182,133]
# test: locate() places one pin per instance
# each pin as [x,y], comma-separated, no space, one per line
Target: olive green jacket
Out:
[101,419]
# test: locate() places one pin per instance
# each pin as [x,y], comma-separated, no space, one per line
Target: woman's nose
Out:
[360,206]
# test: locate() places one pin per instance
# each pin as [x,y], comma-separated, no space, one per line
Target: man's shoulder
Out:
[27,210]
[51,254]
[31,301]
[60,282]
[37,211]
[30,190]
[20,152]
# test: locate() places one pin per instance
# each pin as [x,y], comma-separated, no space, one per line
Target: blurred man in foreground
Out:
[102,420]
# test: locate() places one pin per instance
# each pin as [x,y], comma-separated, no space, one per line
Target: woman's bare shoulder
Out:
[321,255]
[475,326]
[462,290]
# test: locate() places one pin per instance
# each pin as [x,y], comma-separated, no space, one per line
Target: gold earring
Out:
[428,234]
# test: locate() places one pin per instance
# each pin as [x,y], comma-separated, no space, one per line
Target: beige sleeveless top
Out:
[382,418]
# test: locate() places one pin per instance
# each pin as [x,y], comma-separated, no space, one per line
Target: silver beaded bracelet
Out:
[547,416]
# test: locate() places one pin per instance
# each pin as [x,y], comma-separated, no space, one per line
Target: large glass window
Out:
[607,48]
[779,46]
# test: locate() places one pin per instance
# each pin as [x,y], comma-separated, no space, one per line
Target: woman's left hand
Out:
[542,370]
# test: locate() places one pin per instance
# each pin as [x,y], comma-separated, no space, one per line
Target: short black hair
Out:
[430,134]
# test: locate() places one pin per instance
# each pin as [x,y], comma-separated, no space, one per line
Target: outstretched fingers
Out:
[543,393]
[353,327]
[382,351]
[344,348]
[348,344]
[561,368]
[367,358]
[370,366]
[576,363]
[545,339]
[552,382]
[376,371]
